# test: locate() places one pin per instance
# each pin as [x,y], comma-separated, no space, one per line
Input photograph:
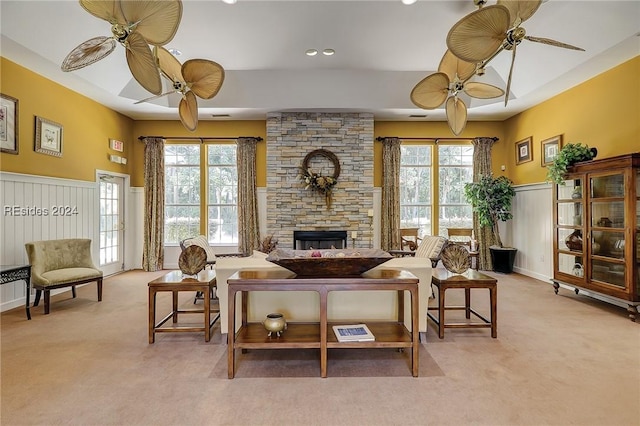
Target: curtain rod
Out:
[201,139]
[381,138]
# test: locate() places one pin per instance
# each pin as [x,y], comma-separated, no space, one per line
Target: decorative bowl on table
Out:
[328,262]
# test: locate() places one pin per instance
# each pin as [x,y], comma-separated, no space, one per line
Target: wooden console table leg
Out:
[401,306]
[207,314]
[441,291]
[231,334]
[152,315]
[175,305]
[493,294]
[467,302]
[415,333]
[323,331]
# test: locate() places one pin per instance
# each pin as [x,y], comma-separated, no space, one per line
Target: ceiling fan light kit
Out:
[472,43]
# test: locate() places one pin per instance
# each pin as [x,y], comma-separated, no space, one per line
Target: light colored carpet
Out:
[558,360]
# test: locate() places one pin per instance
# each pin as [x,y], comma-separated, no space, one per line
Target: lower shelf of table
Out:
[307,335]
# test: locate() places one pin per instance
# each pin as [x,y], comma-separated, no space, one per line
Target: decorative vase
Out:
[275,323]
[574,240]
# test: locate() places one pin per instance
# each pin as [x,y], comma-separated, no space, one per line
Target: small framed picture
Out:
[48,137]
[550,148]
[8,124]
[523,151]
[116,145]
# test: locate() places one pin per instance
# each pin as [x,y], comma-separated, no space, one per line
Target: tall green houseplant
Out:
[491,198]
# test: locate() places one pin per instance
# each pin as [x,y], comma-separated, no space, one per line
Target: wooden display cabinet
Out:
[596,244]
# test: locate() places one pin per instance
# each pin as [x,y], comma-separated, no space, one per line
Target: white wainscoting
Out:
[41,192]
[531,231]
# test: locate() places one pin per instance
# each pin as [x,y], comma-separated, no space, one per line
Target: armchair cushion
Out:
[201,241]
[431,247]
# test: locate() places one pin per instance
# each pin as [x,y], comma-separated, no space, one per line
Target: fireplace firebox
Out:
[305,240]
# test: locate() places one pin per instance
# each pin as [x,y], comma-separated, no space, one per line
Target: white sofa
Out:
[343,305]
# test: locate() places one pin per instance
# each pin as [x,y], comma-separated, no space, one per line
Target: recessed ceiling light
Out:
[328,52]
[220,115]
[418,116]
[311,52]
[174,52]
[409,1]
[230,1]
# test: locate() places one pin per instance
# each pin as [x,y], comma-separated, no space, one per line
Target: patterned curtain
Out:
[248,226]
[153,248]
[390,209]
[482,166]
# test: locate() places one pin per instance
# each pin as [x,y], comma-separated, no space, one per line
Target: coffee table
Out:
[175,282]
[445,280]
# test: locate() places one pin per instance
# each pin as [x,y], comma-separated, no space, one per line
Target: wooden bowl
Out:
[329,263]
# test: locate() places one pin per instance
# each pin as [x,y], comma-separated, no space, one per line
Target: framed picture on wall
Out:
[48,137]
[8,124]
[550,148]
[523,151]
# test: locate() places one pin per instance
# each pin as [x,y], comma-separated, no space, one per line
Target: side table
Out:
[445,280]
[174,282]
[11,273]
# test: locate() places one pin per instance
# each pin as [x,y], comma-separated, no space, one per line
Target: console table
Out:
[389,334]
[11,273]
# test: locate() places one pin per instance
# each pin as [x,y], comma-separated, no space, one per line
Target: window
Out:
[416,188]
[187,211]
[455,169]
[182,192]
[222,194]
[420,165]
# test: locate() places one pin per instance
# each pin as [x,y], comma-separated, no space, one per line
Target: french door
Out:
[111,249]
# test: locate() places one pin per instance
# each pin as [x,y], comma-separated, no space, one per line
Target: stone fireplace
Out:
[290,207]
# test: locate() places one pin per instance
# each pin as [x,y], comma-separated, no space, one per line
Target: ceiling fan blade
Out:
[155,97]
[109,10]
[142,63]
[169,65]
[520,10]
[456,115]
[204,77]
[453,66]
[480,34]
[513,60]
[431,92]
[482,90]
[88,52]
[552,42]
[188,111]
[157,21]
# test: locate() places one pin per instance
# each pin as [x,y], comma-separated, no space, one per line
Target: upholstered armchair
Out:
[61,263]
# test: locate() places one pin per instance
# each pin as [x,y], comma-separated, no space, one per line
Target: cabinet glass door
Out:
[570,228]
[607,229]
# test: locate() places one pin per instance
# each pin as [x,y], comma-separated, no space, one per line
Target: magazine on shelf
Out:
[353,333]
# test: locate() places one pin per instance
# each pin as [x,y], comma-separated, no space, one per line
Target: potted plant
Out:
[570,154]
[491,198]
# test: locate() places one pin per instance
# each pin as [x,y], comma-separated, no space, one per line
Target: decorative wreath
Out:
[317,182]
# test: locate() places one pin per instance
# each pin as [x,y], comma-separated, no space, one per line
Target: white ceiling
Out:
[383,49]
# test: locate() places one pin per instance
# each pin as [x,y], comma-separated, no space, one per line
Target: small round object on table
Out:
[192,260]
[455,258]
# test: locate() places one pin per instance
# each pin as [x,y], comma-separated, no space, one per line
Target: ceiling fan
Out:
[452,78]
[136,25]
[196,77]
[483,34]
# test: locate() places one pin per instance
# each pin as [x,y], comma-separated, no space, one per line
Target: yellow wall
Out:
[175,129]
[603,112]
[87,128]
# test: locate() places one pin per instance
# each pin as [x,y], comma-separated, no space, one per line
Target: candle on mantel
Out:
[354,234]
[370,213]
